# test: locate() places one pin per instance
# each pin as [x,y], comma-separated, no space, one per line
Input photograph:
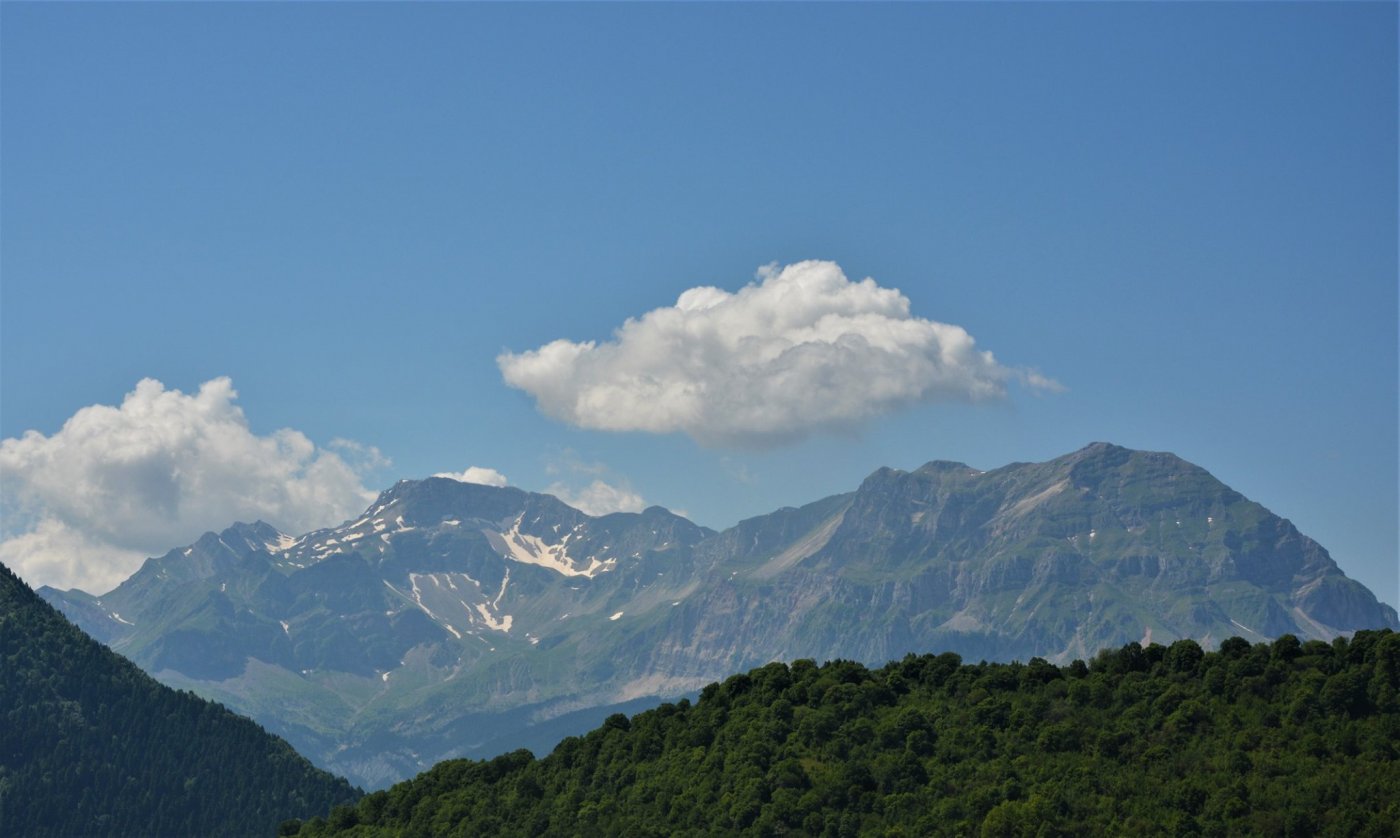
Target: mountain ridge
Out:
[337,634]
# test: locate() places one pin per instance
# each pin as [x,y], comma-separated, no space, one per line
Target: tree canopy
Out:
[1286,738]
[91,745]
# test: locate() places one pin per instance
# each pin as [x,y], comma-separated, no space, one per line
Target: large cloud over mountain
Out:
[802,349]
[84,506]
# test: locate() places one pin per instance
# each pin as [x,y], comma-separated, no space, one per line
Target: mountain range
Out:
[457,619]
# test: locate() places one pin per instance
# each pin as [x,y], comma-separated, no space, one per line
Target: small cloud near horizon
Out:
[598,498]
[477,474]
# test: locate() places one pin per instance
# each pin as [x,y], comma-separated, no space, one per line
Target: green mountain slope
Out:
[1284,739]
[90,745]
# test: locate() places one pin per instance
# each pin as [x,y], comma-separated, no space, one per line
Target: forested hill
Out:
[90,745]
[1285,738]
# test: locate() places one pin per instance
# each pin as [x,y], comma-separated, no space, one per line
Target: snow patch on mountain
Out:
[531,549]
[281,543]
[496,603]
[491,622]
[417,599]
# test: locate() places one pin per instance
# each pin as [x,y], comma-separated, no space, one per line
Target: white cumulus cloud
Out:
[477,474]
[598,498]
[53,553]
[800,350]
[84,506]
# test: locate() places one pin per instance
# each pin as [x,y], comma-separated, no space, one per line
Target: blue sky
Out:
[1184,214]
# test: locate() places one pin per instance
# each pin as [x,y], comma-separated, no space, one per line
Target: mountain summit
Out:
[458,619]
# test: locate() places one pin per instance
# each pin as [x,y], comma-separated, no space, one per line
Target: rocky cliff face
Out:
[457,619]
[1054,559]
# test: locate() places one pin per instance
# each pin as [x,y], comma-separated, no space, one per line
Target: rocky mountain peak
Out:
[944,467]
[1101,449]
[244,538]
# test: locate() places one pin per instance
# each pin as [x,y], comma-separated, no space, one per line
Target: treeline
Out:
[90,745]
[1288,738]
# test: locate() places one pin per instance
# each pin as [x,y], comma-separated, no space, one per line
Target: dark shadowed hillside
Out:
[90,745]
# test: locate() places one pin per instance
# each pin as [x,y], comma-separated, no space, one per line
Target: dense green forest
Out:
[90,745]
[1288,738]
